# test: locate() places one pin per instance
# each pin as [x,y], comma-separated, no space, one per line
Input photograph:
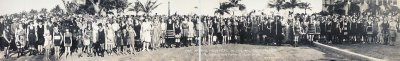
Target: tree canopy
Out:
[281,5]
[225,7]
[96,6]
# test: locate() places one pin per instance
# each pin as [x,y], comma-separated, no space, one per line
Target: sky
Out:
[205,7]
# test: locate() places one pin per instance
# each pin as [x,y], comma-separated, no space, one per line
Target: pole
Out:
[199,40]
[169,8]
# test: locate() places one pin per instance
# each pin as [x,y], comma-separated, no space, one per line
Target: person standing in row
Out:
[170,34]
[57,40]
[67,42]
[31,37]
[20,39]
[163,31]
[185,32]
[224,30]
[210,31]
[200,32]
[101,43]
[145,34]
[131,38]
[40,36]
[297,31]
[392,30]
[110,40]
[47,38]
[7,38]
[155,42]
[87,42]
[206,31]
[177,32]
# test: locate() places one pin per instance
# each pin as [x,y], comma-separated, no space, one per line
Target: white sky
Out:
[180,6]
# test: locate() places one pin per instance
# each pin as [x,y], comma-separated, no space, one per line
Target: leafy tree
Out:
[354,9]
[57,10]
[96,6]
[373,9]
[43,11]
[24,13]
[118,5]
[70,7]
[337,8]
[33,12]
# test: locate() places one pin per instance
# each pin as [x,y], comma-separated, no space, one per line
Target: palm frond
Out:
[241,7]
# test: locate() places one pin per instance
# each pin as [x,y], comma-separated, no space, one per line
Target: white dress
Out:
[191,29]
[94,32]
[146,32]
[200,29]
[47,36]
[87,37]
[110,36]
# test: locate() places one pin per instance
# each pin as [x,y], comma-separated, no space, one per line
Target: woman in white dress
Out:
[48,38]
[146,34]
[87,39]
[109,39]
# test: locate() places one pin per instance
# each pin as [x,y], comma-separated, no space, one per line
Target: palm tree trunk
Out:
[292,10]
[233,13]
[137,13]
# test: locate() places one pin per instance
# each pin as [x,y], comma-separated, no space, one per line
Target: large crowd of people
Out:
[97,35]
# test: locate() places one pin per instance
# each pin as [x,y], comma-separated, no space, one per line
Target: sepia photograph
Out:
[199,30]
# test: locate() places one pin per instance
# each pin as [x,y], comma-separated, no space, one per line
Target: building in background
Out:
[348,7]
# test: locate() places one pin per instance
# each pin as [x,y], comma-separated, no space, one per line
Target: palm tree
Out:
[235,3]
[221,11]
[136,7]
[278,4]
[292,4]
[96,6]
[148,6]
[305,6]
[225,7]
[281,4]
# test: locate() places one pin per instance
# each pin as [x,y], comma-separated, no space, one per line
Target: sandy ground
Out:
[229,52]
[386,52]
[232,52]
